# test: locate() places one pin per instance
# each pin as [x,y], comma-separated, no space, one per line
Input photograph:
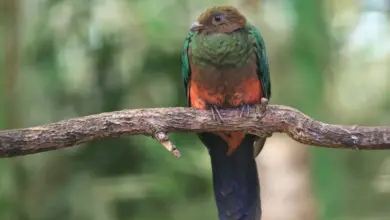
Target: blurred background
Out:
[68,58]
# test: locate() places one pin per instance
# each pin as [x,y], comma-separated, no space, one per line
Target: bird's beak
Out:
[195,26]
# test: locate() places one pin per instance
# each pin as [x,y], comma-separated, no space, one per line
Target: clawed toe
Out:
[216,114]
[243,108]
[261,108]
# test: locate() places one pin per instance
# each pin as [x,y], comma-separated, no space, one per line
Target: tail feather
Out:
[235,178]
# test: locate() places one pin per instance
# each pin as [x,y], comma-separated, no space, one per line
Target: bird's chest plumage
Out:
[224,86]
[224,77]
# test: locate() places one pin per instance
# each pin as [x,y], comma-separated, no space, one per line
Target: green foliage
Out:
[311,53]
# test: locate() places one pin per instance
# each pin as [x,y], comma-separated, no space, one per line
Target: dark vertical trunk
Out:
[10,16]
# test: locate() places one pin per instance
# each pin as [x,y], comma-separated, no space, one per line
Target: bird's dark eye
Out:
[217,19]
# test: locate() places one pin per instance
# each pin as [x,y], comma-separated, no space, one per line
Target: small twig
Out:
[151,122]
[164,140]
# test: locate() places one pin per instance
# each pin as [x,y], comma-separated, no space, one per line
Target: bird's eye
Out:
[217,18]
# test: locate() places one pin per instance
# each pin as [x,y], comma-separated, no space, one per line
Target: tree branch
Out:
[158,122]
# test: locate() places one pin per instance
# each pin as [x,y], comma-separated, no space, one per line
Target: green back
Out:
[185,62]
[261,59]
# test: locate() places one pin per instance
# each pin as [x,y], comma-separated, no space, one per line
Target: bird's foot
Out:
[261,108]
[245,107]
[216,114]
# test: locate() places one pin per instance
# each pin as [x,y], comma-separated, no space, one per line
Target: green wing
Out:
[262,60]
[185,63]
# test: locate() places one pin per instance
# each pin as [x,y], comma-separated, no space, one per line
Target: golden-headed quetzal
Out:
[224,65]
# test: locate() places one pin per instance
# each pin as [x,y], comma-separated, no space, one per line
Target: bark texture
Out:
[157,121]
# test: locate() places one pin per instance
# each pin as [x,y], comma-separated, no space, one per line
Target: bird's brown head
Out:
[219,19]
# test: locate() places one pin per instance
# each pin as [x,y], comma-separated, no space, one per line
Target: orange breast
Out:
[225,87]
[247,92]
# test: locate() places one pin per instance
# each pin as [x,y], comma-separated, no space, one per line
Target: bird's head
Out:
[219,19]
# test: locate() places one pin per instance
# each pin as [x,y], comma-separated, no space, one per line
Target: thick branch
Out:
[159,121]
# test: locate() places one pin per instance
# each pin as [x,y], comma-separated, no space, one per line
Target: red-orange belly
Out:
[246,91]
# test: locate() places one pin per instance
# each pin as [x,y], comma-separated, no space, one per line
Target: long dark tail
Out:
[235,178]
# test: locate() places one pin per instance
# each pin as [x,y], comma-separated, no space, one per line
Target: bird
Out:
[224,65]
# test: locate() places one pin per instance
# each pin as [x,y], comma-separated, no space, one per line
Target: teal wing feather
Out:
[261,60]
[185,63]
